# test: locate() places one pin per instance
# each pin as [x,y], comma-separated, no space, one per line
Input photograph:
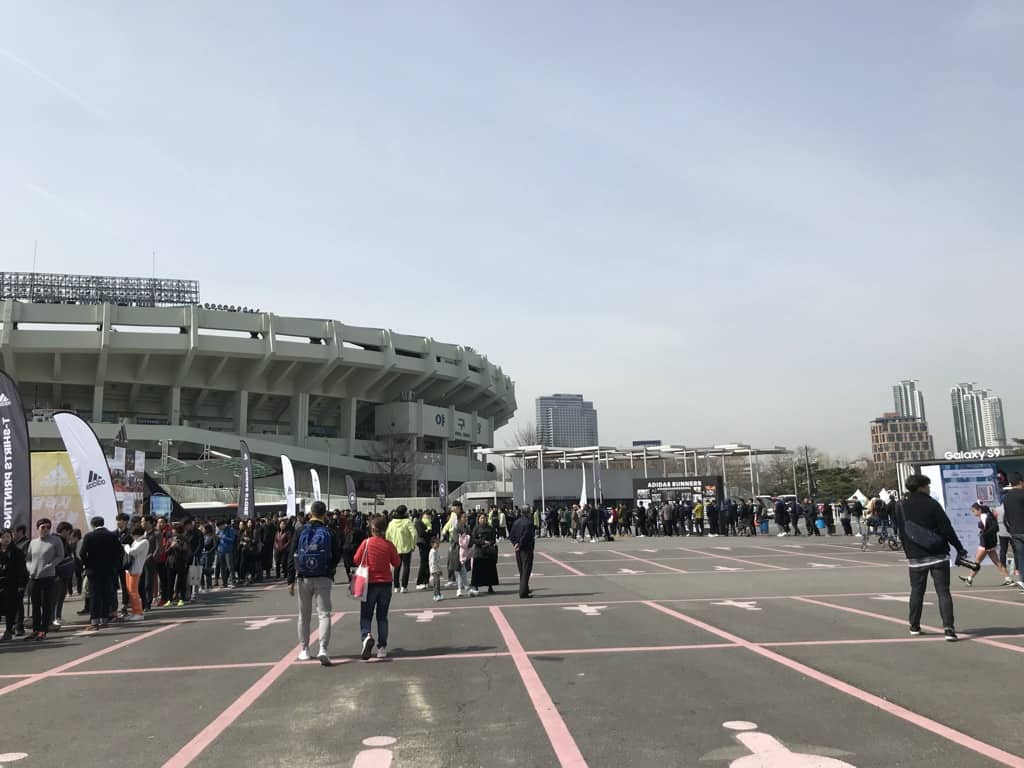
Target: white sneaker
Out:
[419,587]
[303,655]
[396,590]
[860,535]
[458,593]
[324,658]
[781,534]
[439,598]
[135,617]
[58,623]
[404,590]
[367,648]
[382,653]
[449,584]
[474,592]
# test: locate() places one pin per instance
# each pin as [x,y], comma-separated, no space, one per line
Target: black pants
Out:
[423,574]
[524,561]
[101,584]
[166,582]
[918,584]
[42,604]
[403,570]
[9,599]
[847,528]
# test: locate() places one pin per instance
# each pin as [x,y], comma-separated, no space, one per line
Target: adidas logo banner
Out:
[15,464]
[90,466]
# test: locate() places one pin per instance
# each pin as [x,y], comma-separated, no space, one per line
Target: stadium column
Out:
[174,411]
[347,432]
[97,403]
[240,415]
[299,417]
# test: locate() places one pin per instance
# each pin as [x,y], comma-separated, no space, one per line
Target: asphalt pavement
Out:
[740,652]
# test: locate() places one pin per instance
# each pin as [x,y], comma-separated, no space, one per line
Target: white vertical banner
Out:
[90,468]
[289,484]
[583,492]
[316,483]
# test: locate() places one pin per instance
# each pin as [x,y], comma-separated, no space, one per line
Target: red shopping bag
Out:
[360,584]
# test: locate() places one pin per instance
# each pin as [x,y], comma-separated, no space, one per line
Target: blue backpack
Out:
[313,551]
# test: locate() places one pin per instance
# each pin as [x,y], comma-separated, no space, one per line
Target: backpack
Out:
[313,552]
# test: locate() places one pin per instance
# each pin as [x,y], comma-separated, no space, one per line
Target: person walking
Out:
[523,538]
[226,538]
[312,562]
[102,557]
[423,536]
[282,545]
[44,552]
[402,533]
[381,558]
[435,567]
[927,535]
[1013,518]
[988,542]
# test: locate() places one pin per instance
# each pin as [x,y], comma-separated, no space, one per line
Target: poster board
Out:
[957,487]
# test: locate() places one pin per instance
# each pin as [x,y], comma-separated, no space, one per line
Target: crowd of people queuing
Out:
[146,563]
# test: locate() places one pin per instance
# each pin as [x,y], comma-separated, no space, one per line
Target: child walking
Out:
[434,561]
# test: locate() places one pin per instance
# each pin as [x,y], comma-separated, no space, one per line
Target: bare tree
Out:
[393,457]
[522,435]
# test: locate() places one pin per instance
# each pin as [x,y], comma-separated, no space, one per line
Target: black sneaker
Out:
[367,648]
[951,636]
[915,631]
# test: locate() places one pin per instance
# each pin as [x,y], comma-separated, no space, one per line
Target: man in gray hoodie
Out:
[44,552]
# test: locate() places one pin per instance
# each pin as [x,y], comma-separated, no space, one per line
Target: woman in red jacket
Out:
[381,558]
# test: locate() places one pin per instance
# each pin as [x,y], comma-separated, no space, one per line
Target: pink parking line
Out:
[834,557]
[733,559]
[871,641]
[990,600]
[559,563]
[566,750]
[634,649]
[962,739]
[192,668]
[84,659]
[209,734]
[893,620]
[648,562]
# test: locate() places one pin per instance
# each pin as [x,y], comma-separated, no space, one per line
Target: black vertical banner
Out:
[353,500]
[246,500]
[442,489]
[15,459]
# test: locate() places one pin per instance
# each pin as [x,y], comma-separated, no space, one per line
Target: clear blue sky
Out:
[719,221]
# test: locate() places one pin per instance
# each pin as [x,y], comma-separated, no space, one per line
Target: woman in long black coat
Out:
[485,557]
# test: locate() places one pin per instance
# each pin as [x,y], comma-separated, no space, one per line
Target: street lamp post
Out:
[328,441]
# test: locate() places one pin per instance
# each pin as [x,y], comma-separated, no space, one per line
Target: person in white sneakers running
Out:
[312,562]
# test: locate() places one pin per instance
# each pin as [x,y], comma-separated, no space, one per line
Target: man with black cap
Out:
[927,535]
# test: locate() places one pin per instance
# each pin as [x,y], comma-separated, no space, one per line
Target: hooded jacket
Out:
[402,533]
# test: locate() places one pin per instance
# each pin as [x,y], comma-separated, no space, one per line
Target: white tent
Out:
[858,496]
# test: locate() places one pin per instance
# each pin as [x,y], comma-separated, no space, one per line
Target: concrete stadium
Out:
[191,381]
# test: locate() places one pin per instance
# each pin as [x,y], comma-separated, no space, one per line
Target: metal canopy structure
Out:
[49,288]
[613,457]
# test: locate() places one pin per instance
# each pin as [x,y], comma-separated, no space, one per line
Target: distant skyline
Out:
[719,224]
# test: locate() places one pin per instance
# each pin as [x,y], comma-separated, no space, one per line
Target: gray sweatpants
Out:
[318,589]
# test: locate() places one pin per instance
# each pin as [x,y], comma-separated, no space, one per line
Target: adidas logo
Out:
[4,400]
[94,480]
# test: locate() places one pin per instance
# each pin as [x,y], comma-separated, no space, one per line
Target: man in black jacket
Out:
[1013,519]
[102,556]
[523,539]
[927,535]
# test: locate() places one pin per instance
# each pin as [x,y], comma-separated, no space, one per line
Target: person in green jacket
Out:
[402,533]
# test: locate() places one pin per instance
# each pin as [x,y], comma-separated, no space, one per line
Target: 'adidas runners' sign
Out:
[94,480]
[4,400]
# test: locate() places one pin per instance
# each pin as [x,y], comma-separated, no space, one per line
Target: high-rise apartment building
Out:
[896,439]
[908,399]
[977,418]
[566,421]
